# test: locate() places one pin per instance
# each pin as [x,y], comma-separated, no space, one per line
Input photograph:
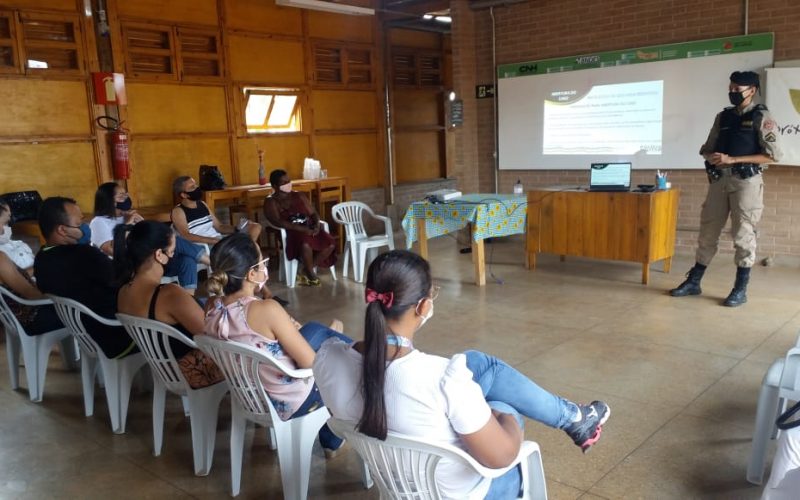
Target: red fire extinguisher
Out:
[120,149]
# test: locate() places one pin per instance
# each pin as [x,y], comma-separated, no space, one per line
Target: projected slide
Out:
[618,119]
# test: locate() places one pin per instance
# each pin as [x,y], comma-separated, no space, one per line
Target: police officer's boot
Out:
[738,295]
[691,286]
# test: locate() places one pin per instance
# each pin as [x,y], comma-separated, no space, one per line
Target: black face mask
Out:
[195,195]
[125,205]
[736,98]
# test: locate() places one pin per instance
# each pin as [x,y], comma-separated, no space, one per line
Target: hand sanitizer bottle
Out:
[518,187]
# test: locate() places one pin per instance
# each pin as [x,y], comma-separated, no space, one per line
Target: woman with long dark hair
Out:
[236,313]
[142,251]
[113,207]
[473,400]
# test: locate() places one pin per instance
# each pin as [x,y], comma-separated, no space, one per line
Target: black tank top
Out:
[179,349]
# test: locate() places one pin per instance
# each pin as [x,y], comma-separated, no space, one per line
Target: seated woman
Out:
[142,251]
[305,238]
[472,401]
[236,314]
[18,251]
[36,320]
[112,207]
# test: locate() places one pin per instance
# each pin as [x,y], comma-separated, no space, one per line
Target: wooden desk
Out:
[236,192]
[634,227]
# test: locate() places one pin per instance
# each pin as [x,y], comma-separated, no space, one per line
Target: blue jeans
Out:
[315,334]
[508,391]
[502,383]
[184,263]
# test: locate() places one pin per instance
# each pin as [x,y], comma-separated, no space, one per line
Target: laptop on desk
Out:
[610,177]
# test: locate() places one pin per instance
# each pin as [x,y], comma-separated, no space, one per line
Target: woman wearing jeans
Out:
[473,401]
[235,313]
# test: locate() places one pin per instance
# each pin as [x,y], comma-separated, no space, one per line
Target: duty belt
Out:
[741,170]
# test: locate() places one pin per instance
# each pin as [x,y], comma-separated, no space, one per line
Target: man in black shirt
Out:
[68,266]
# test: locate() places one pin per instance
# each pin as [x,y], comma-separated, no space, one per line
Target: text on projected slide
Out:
[617,119]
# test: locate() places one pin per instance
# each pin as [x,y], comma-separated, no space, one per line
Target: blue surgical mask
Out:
[86,234]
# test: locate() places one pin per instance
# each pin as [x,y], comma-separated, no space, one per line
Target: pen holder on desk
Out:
[661,182]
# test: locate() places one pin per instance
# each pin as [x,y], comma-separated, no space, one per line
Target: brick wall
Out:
[545,28]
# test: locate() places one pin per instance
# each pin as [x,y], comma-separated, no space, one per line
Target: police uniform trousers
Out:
[743,200]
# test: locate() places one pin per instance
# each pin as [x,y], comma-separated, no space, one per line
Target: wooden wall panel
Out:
[285,152]
[263,16]
[417,107]
[53,169]
[337,110]
[43,107]
[354,156]
[419,156]
[340,27]
[164,108]
[410,38]
[178,11]
[159,162]
[255,59]
[64,5]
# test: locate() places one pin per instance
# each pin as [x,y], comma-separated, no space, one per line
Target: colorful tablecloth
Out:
[492,215]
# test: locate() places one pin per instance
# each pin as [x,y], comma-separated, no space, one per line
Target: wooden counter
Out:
[628,226]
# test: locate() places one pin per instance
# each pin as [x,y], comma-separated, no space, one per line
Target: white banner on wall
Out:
[783,101]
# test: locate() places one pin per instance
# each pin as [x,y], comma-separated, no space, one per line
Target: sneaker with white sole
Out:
[586,431]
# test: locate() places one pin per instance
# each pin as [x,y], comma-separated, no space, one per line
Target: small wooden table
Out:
[236,192]
[628,226]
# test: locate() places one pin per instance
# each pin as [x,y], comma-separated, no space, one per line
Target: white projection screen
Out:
[652,106]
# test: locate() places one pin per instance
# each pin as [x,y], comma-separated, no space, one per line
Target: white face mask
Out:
[260,284]
[428,316]
[286,188]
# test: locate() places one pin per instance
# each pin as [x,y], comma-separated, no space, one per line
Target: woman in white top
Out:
[472,400]
[112,207]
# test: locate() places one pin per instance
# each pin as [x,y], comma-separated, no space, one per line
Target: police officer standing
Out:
[744,137]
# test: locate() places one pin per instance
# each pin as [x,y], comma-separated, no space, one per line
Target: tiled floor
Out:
[682,377]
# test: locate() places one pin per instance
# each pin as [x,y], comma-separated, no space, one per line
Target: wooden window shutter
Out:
[149,50]
[199,54]
[51,43]
[8,43]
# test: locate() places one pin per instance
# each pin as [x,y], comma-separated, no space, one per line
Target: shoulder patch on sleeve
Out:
[769,137]
[768,124]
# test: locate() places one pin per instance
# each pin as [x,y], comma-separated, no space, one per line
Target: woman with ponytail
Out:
[236,313]
[473,400]
[141,253]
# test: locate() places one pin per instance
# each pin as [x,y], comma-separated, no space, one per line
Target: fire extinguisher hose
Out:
[109,123]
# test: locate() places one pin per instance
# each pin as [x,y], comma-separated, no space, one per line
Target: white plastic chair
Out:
[293,438]
[153,337]
[117,374]
[288,268]
[35,348]
[780,385]
[350,215]
[404,467]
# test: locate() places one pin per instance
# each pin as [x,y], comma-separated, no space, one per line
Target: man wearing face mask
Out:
[743,140]
[68,266]
[195,222]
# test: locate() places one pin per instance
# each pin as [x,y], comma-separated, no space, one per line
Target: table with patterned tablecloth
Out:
[489,216]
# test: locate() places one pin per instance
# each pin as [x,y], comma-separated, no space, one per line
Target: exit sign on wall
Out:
[484,91]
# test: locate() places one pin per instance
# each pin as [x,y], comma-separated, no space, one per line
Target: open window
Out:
[272,110]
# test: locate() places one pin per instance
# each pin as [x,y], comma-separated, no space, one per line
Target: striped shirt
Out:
[199,221]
